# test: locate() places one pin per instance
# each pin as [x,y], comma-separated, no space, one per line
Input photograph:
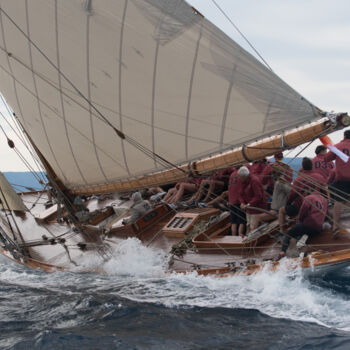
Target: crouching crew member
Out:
[301,187]
[311,218]
[138,209]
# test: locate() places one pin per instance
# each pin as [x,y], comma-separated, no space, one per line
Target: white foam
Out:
[275,294]
[136,273]
[129,258]
[132,258]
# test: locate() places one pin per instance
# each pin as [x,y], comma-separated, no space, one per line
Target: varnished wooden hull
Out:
[310,266]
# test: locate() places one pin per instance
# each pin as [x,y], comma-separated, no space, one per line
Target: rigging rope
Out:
[40,167]
[25,162]
[19,134]
[244,37]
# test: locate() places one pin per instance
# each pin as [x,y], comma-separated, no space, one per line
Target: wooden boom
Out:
[240,155]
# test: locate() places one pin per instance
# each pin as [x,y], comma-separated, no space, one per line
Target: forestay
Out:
[156,69]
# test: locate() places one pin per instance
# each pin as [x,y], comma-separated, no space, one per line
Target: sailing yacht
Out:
[114,97]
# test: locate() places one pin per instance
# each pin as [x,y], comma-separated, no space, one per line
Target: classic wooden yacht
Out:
[113,97]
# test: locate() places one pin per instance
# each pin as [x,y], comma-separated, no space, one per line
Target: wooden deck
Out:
[54,245]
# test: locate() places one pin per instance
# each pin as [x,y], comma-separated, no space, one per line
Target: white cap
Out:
[243,171]
[136,197]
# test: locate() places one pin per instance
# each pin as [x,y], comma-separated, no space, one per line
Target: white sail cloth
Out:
[156,69]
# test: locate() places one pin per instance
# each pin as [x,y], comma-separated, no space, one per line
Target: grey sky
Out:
[306,42]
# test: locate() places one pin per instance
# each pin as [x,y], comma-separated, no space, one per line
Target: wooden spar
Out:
[247,153]
[50,173]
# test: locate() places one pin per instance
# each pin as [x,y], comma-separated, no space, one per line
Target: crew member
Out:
[300,188]
[282,168]
[278,167]
[320,165]
[311,217]
[258,167]
[251,194]
[279,200]
[175,193]
[237,215]
[341,186]
[138,209]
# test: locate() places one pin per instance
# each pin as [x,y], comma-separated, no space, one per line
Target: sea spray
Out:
[128,257]
[138,276]
[132,258]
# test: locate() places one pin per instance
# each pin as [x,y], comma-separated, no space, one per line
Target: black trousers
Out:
[296,232]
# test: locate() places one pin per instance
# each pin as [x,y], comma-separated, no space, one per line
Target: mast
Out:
[246,153]
[54,180]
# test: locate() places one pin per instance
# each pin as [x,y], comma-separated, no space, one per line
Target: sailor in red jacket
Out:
[282,168]
[301,187]
[251,194]
[258,167]
[311,218]
[331,177]
[237,215]
[320,165]
[340,188]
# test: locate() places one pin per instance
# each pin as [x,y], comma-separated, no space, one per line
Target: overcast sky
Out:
[306,42]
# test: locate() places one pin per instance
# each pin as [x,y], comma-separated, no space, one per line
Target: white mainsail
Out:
[156,69]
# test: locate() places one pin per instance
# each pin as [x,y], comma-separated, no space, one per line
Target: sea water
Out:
[135,305]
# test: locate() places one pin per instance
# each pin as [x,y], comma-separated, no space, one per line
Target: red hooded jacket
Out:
[342,170]
[313,211]
[252,192]
[234,188]
[302,185]
[321,166]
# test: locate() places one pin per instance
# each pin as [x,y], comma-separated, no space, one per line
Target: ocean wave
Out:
[134,288]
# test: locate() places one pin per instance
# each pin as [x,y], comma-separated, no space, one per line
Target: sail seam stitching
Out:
[36,94]
[153,99]
[194,64]
[226,108]
[121,40]
[29,146]
[61,97]
[89,94]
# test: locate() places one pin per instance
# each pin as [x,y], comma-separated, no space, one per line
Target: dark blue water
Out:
[148,310]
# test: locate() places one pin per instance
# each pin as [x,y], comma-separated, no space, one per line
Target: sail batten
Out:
[155,70]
